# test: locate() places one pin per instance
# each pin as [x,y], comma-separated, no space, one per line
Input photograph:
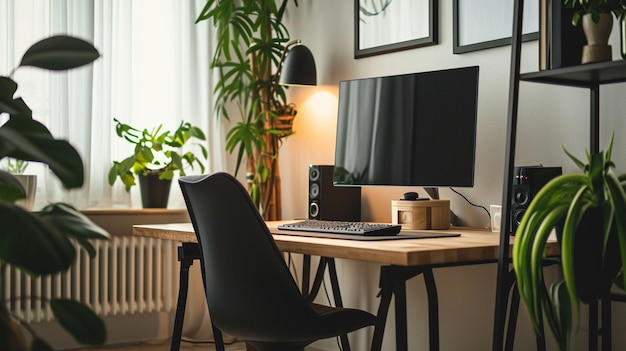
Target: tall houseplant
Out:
[40,243]
[250,43]
[588,210]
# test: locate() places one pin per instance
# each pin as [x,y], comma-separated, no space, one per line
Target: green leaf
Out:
[26,139]
[619,200]
[25,237]
[563,312]
[11,189]
[575,213]
[60,52]
[7,103]
[72,223]
[80,321]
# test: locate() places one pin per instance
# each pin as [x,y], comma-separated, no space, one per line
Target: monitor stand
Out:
[433,193]
[454,219]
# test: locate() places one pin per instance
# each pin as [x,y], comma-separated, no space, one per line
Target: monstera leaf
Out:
[59,53]
[41,243]
[26,139]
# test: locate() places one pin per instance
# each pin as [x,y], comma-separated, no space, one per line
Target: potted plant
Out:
[251,41]
[597,24]
[155,160]
[588,210]
[594,8]
[41,243]
[28,181]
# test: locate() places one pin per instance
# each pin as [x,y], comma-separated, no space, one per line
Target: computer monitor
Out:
[414,129]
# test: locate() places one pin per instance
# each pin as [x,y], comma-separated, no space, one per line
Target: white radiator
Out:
[128,275]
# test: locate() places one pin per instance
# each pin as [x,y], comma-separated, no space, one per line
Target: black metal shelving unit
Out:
[588,76]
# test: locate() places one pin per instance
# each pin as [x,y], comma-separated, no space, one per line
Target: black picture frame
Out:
[531,17]
[421,39]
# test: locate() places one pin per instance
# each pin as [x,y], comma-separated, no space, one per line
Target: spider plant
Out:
[588,210]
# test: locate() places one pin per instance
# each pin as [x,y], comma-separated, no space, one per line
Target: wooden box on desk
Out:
[427,214]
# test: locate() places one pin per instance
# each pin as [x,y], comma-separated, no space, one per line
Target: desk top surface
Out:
[472,246]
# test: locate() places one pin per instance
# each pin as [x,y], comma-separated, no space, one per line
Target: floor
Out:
[165,346]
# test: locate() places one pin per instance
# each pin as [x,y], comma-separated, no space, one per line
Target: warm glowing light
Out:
[319,108]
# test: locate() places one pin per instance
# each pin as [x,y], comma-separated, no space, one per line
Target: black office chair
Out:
[250,292]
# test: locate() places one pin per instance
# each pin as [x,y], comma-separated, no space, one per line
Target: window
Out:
[153,69]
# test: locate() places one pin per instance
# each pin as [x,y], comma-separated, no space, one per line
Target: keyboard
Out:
[343,227]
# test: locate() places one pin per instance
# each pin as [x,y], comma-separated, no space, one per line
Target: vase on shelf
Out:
[597,34]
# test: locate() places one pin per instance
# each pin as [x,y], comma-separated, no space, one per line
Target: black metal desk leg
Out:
[183,288]
[334,283]
[593,326]
[381,319]
[317,283]
[433,309]
[399,291]
[393,283]
[306,275]
[188,252]
[605,330]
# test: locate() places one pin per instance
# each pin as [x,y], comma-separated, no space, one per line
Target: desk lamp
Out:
[297,65]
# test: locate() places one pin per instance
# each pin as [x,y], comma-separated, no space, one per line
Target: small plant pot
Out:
[155,192]
[29,182]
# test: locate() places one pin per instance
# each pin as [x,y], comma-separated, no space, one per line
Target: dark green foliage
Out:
[40,243]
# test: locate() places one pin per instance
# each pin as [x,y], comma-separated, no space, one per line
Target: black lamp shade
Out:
[299,67]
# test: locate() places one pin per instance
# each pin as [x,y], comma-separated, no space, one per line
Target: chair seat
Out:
[343,320]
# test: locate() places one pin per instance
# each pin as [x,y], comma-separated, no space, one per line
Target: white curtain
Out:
[153,69]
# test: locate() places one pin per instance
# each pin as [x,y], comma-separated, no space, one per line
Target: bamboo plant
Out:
[250,43]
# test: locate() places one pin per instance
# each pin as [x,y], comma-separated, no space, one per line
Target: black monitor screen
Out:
[408,130]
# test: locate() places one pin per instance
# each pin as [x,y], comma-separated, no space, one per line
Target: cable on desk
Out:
[471,203]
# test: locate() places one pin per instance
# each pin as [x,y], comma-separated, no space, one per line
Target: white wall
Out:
[549,116]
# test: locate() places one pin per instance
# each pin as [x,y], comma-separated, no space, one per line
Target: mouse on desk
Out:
[413,196]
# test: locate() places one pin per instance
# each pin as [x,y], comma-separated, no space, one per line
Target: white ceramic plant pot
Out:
[29,182]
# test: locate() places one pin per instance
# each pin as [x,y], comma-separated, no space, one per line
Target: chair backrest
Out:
[250,291]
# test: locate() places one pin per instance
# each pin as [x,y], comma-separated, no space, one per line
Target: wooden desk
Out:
[401,260]
[471,246]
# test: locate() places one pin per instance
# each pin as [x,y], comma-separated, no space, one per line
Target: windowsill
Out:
[120,221]
[132,211]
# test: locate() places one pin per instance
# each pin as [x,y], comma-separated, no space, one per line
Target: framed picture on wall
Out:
[384,26]
[484,24]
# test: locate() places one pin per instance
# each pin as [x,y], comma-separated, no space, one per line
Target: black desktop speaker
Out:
[527,181]
[329,202]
